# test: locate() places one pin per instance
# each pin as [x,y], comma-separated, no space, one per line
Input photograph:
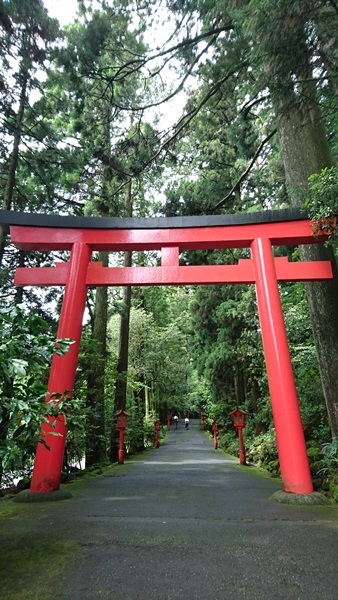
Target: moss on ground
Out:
[34,571]
[35,562]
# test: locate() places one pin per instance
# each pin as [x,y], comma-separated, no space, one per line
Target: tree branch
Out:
[186,119]
[137,63]
[176,90]
[251,103]
[247,170]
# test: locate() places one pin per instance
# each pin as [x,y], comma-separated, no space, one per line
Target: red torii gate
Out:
[257,231]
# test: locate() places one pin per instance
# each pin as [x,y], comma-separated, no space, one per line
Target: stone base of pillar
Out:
[28,496]
[289,498]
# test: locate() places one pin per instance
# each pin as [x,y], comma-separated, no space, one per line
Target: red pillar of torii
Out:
[263,270]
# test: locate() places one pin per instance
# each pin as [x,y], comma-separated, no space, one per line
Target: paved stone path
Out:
[181,522]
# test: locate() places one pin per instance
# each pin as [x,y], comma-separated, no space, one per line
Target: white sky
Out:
[63,10]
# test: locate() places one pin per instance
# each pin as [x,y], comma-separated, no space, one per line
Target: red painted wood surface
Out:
[231,236]
[48,462]
[243,272]
[284,402]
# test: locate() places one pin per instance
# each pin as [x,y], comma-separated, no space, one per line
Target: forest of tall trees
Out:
[168,109]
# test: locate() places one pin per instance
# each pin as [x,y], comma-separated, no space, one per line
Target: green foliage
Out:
[329,462]
[322,203]
[158,360]
[333,486]
[323,459]
[227,351]
[26,349]
[263,452]
[229,443]
[135,434]
[25,49]
[149,433]
[323,193]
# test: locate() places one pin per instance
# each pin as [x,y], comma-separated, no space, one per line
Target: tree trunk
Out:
[255,392]
[13,163]
[146,401]
[239,385]
[19,289]
[95,430]
[122,363]
[305,150]
[4,421]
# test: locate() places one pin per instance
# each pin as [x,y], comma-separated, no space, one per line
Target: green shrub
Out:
[229,443]
[323,462]
[333,487]
[263,452]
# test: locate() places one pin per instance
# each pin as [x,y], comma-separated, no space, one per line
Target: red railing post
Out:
[238,416]
[121,424]
[157,427]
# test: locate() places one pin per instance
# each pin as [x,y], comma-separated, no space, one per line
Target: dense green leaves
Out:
[26,349]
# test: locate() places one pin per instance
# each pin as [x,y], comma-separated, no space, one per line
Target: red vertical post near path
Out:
[293,459]
[48,462]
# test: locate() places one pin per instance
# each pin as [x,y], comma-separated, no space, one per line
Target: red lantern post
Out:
[121,424]
[157,425]
[168,420]
[214,428]
[238,416]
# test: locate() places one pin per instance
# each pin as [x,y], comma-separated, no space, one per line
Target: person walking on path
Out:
[175,417]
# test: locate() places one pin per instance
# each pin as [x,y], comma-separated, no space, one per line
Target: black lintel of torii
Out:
[26,219]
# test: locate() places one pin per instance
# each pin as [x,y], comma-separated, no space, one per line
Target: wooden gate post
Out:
[48,460]
[293,458]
